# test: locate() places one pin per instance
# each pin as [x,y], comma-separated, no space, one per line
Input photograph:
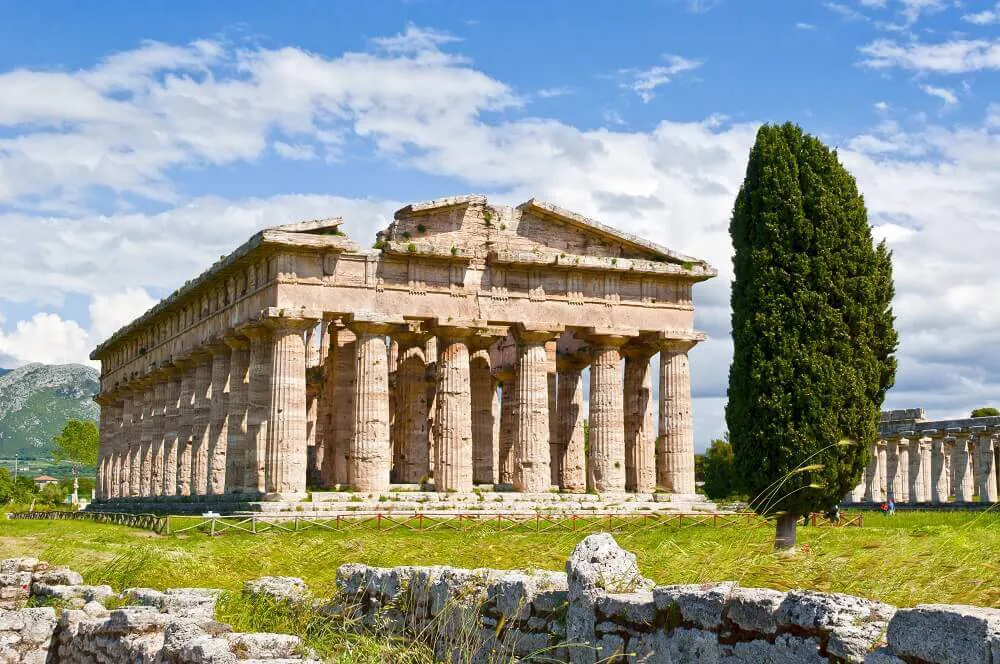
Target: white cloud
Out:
[644,81]
[985,17]
[951,57]
[944,94]
[299,152]
[882,106]
[846,12]
[46,338]
[804,26]
[548,93]
[111,311]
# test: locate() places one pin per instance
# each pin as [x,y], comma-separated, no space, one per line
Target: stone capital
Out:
[283,324]
[572,361]
[217,347]
[201,356]
[236,341]
[366,322]
[533,333]
[611,337]
[504,374]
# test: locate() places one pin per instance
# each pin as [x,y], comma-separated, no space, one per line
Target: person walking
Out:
[892,507]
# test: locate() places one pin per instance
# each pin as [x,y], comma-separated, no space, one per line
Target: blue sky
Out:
[176,129]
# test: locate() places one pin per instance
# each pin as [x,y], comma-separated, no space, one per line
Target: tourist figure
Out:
[892,507]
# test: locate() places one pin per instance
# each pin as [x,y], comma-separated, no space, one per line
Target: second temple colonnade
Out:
[453,353]
[920,461]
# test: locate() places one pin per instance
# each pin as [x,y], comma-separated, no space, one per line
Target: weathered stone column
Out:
[485,444]
[239,401]
[430,359]
[883,469]
[555,442]
[258,407]
[640,440]
[129,442]
[961,460]
[171,429]
[218,426]
[111,445]
[916,475]
[926,464]
[412,417]
[396,462]
[146,437]
[202,419]
[314,453]
[508,433]
[873,477]
[573,466]
[370,450]
[185,425]
[453,455]
[988,465]
[901,487]
[103,400]
[344,348]
[940,480]
[675,446]
[285,469]
[606,458]
[159,426]
[531,413]
[891,469]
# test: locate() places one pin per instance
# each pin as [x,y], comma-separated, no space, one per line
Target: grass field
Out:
[914,557]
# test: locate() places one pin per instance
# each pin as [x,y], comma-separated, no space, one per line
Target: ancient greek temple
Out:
[936,462]
[451,355]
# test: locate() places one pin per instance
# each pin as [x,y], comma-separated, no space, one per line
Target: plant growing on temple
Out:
[813,329]
[985,411]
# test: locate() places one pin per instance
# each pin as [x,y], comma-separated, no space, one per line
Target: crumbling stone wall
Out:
[176,626]
[603,610]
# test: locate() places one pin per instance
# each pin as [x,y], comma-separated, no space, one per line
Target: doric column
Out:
[961,459]
[640,440]
[573,466]
[369,452]
[159,427]
[218,425]
[396,462]
[555,442]
[988,465]
[453,455]
[508,400]
[606,458]
[239,399]
[883,469]
[412,420]
[314,448]
[129,440]
[258,406]
[675,445]
[925,462]
[892,469]
[171,430]
[485,443]
[873,477]
[202,419]
[185,425]
[902,484]
[344,349]
[531,412]
[285,453]
[145,411]
[916,472]
[940,481]
[430,360]
[103,441]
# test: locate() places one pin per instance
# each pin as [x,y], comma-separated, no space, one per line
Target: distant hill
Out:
[37,399]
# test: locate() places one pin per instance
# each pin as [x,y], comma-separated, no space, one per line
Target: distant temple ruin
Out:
[920,461]
[450,355]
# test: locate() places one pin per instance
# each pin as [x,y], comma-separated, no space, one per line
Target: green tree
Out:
[77,443]
[24,489]
[986,411]
[813,329]
[6,486]
[719,470]
[52,494]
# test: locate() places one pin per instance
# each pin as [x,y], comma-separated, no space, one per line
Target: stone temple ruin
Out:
[920,461]
[451,355]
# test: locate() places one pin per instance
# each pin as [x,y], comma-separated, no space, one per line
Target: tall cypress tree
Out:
[813,329]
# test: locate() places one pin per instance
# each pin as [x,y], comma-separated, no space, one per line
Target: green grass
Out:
[908,559]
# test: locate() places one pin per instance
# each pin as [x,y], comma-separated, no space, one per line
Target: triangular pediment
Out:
[329,226]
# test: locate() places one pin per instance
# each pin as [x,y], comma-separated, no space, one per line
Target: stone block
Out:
[58,576]
[278,588]
[852,643]
[882,656]
[680,645]
[518,594]
[597,562]
[701,605]
[12,565]
[939,633]
[823,611]
[754,609]
[263,646]
[786,649]
[352,579]
[633,608]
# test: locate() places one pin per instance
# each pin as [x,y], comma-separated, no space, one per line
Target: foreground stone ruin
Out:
[451,356]
[600,610]
[932,462]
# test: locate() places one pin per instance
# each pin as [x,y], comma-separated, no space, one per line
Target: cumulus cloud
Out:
[944,94]
[644,82]
[950,57]
[985,17]
[45,338]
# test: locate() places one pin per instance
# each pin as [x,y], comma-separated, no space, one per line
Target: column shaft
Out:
[903,471]
[171,433]
[961,460]
[485,448]
[415,456]
[573,467]
[531,414]
[185,428]
[218,432]
[258,408]
[285,470]
[640,441]
[508,430]
[940,489]
[200,427]
[453,458]
[675,450]
[342,420]
[369,453]
[872,477]
[606,460]
[146,441]
[159,425]
[236,429]
[988,474]
[916,478]
[555,441]
[123,461]
[892,470]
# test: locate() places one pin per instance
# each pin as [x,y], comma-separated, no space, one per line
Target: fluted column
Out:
[892,469]
[412,416]
[314,448]
[369,452]
[146,437]
[640,441]
[202,419]
[396,462]
[430,360]
[902,485]
[185,425]
[239,399]
[344,348]
[508,401]
[285,470]
[555,442]
[606,457]
[453,457]
[218,427]
[873,477]
[916,474]
[103,443]
[258,407]
[124,457]
[159,426]
[531,472]
[573,465]
[988,464]
[675,445]
[961,459]
[940,480]
[171,430]
[485,443]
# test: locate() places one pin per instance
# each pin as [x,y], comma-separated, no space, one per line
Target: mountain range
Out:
[37,399]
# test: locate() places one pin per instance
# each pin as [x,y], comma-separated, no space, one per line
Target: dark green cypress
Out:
[813,329]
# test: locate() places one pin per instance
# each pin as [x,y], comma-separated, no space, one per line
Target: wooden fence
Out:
[257,524]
